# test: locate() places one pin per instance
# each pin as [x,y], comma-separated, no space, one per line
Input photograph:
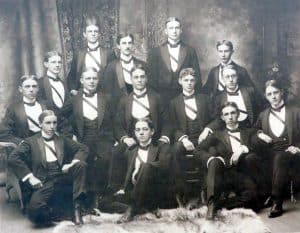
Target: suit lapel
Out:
[103,57]
[101,101]
[165,56]
[20,109]
[59,149]
[152,153]
[199,109]
[152,107]
[41,145]
[81,61]
[265,121]
[226,140]
[289,123]
[78,112]
[182,55]
[129,111]
[247,102]
[181,109]
[120,77]
[48,91]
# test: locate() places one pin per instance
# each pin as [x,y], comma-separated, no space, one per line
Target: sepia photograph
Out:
[149,116]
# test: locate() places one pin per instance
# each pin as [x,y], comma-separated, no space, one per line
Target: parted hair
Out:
[44,114]
[147,120]
[124,34]
[51,54]
[225,42]
[229,104]
[187,71]
[27,77]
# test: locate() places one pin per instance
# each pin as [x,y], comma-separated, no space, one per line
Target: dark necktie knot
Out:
[144,147]
[233,130]
[126,61]
[187,97]
[48,139]
[89,94]
[278,109]
[235,93]
[174,45]
[93,49]
[140,96]
[29,104]
[54,79]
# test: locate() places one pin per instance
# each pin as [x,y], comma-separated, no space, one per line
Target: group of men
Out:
[148,132]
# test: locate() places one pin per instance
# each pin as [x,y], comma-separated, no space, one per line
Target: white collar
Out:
[138,92]
[279,105]
[50,74]
[226,64]
[172,42]
[27,100]
[44,135]
[233,128]
[126,58]
[188,94]
[92,46]
[235,90]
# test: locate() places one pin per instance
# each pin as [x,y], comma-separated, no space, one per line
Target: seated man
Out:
[228,156]
[279,129]
[190,117]
[46,163]
[142,102]
[246,98]
[147,165]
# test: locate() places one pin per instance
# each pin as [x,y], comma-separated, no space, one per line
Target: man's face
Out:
[173,30]
[89,81]
[91,34]
[230,116]
[49,125]
[230,79]
[143,132]
[126,45]
[188,83]
[139,79]
[54,64]
[273,95]
[29,88]
[225,53]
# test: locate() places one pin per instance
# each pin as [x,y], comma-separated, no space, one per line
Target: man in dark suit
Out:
[91,56]
[190,116]
[247,98]
[229,158]
[215,82]
[46,163]
[147,167]
[167,60]
[91,114]
[54,90]
[117,78]
[279,127]
[142,102]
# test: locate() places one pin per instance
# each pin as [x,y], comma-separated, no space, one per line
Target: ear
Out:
[180,81]
[152,132]
[166,31]
[46,64]
[222,117]
[81,80]
[118,46]
[20,89]
[84,34]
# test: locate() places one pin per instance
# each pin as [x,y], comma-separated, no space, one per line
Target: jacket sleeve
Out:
[75,150]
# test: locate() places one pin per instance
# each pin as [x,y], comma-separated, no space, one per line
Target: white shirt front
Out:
[192,104]
[174,52]
[88,111]
[90,60]
[239,100]
[50,157]
[235,144]
[139,111]
[33,112]
[141,157]
[276,126]
[59,87]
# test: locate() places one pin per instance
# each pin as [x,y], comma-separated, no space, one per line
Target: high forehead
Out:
[173,24]
[50,118]
[188,77]
[89,74]
[229,71]
[138,72]
[223,47]
[270,89]
[228,109]
[141,124]
[126,39]
[92,28]
[54,58]
[28,82]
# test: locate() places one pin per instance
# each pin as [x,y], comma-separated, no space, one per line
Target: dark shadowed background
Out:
[260,30]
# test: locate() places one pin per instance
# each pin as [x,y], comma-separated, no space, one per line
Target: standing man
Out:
[46,163]
[215,82]
[167,60]
[92,56]
[91,116]
[118,73]
[229,158]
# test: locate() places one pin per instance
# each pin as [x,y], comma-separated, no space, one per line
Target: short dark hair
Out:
[27,77]
[139,66]
[187,71]
[51,54]
[273,83]
[91,20]
[229,104]
[170,19]
[225,42]
[44,114]
[87,69]
[147,120]
[124,34]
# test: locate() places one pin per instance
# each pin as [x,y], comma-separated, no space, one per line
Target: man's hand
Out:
[67,166]
[129,142]
[204,134]
[266,138]
[293,150]
[188,145]
[35,182]
[8,144]
[120,192]
[236,155]
[74,92]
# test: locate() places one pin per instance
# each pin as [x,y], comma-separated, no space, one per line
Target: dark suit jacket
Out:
[158,160]
[30,155]
[73,110]
[178,115]
[292,121]
[218,144]
[78,63]
[253,101]
[45,93]
[114,82]
[162,78]
[211,85]
[124,120]
[14,126]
